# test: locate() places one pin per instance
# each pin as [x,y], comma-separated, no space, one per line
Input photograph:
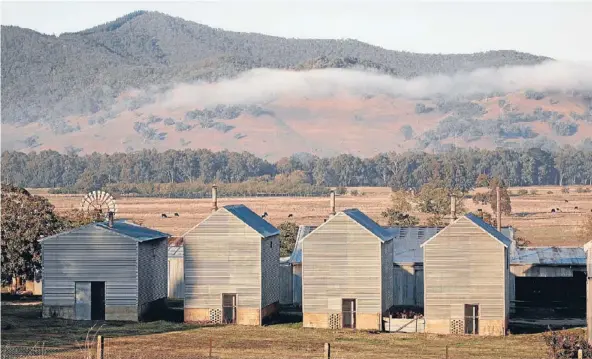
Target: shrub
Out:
[354,192]
[565,190]
[533,191]
[583,190]
[565,345]
[549,192]
[522,192]
[341,190]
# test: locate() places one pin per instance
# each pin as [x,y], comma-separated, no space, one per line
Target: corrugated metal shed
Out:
[253,220]
[366,222]
[550,256]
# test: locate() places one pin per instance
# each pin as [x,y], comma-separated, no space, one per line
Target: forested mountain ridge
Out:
[66,91]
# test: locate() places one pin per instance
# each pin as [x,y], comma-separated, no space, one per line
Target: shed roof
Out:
[253,220]
[558,256]
[124,228]
[362,219]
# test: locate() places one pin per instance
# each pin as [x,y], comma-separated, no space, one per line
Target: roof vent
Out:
[110,216]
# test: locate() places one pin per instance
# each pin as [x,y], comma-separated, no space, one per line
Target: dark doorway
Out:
[348,313]
[471,319]
[551,297]
[229,308]
[97,301]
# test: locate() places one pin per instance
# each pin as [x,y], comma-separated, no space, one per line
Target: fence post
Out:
[100,346]
[327,354]
[580,354]
[210,354]
[446,351]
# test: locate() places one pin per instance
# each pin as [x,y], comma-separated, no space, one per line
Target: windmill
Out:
[99,203]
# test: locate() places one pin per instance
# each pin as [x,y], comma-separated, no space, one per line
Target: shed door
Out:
[82,295]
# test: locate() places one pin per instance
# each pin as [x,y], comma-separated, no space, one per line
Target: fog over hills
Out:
[148,80]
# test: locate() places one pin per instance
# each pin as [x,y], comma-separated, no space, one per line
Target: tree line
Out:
[456,169]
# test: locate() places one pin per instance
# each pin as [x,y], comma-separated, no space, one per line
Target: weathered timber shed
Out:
[232,263]
[466,279]
[109,270]
[347,273]
[176,282]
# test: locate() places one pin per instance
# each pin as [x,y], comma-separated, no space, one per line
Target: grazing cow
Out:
[164,215]
[576,207]
[552,210]
[566,201]
[290,215]
[176,214]
[264,215]
[558,210]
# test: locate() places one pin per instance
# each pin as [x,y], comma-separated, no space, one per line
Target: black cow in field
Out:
[290,215]
[552,210]
[176,214]
[264,215]
[566,201]
[164,215]
[576,207]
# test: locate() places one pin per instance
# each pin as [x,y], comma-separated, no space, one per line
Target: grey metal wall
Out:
[341,259]
[90,254]
[175,278]
[286,283]
[463,264]
[387,275]
[270,271]
[152,270]
[222,255]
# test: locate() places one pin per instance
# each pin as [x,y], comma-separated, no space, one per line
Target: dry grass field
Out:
[170,340]
[531,213]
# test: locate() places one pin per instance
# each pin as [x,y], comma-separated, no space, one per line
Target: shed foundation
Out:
[58,311]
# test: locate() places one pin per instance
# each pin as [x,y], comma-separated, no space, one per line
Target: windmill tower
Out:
[99,204]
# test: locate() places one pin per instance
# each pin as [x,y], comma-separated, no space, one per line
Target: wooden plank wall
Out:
[222,255]
[176,287]
[341,260]
[464,265]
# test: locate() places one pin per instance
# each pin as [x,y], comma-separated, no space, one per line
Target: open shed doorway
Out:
[551,297]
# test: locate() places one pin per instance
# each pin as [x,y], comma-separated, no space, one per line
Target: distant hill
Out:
[67,88]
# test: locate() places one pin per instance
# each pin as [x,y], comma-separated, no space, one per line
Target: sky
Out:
[555,29]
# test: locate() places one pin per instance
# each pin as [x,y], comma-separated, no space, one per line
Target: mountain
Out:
[71,91]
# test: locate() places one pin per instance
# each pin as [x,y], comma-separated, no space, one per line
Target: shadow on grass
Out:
[20,321]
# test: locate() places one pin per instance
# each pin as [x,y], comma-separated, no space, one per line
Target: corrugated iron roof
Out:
[407,242]
[132,230]
[362,219]
[549,256]
[122,227]
[303,231]
[252,220]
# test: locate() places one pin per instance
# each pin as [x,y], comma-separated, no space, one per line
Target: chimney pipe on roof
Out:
[452,208]
[214,198]
[480,213]
[110,216]
[332,202]
[499,208]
